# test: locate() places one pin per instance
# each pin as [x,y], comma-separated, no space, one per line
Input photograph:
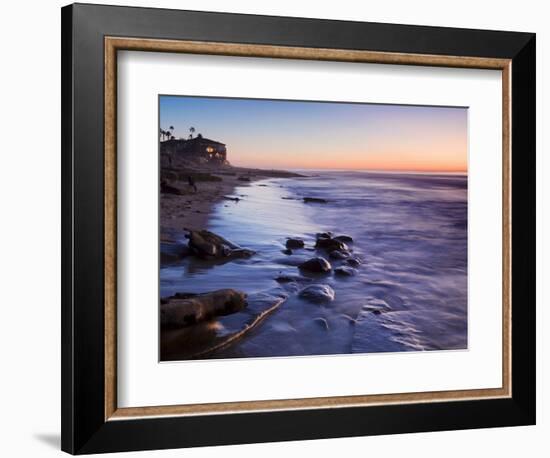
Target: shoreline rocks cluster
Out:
[334,247]
[202,317]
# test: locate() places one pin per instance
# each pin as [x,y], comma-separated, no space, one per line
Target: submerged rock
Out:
[316,200]
[344,238]
[323,235]
[345,271]
[376,306]
[339,255]
[206,244]
[287,251]
[185,309]
[295,243]
[317,293]
[291,278]
[319,265]
[353,262]
[331,244]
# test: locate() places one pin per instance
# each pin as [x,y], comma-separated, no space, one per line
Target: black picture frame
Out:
[84,428]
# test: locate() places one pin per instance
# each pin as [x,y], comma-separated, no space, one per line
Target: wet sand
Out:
[191,209]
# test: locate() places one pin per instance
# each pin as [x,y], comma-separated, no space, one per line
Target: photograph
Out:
[298,228]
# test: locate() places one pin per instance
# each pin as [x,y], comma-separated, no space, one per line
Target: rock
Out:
[295,243]
[207,337]
[287,251]
[345,271]
[340,255]
[244,178]
[318,264]
[241,253]
[232,198]
[353,262]
[185,309]
[317,293]
[323,235]
[317,200]
[331,244]
[292,261]
[376,306]
[291,278]
[206,244]
[344,238]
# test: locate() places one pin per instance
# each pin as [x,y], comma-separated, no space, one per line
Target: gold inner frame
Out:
[114,44]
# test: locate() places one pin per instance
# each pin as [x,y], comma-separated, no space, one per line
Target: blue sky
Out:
[296,134]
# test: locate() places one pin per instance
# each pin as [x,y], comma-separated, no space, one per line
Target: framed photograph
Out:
[281,228]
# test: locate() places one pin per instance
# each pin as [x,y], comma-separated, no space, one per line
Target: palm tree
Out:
[192,130]
[171,129]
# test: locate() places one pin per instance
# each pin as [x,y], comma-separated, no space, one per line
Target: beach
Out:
[397,283]
[191,208]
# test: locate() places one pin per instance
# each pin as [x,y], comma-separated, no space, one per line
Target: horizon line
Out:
[347,169]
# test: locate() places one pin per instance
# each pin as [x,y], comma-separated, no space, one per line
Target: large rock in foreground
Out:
[317,265]
[183,309]
[206,244]
[208,337]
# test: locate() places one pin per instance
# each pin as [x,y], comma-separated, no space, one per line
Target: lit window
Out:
[209,149]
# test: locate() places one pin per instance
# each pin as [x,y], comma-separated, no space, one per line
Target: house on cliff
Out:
[199,150]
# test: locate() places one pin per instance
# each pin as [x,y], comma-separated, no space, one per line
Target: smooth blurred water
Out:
[410,230]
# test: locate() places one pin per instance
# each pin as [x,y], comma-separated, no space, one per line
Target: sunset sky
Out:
[325,135]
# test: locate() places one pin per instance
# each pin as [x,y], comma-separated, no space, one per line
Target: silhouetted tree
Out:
[192,130]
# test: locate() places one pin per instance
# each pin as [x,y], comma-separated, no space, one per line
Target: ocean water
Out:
[409,293]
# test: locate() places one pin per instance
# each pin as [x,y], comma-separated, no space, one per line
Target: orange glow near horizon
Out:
[327,135]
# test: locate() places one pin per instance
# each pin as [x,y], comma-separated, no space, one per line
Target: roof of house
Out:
[204,140]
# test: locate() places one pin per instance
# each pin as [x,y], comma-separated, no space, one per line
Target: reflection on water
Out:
[410,293]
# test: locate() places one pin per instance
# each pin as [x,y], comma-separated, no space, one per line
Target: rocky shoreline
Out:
[197,325]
